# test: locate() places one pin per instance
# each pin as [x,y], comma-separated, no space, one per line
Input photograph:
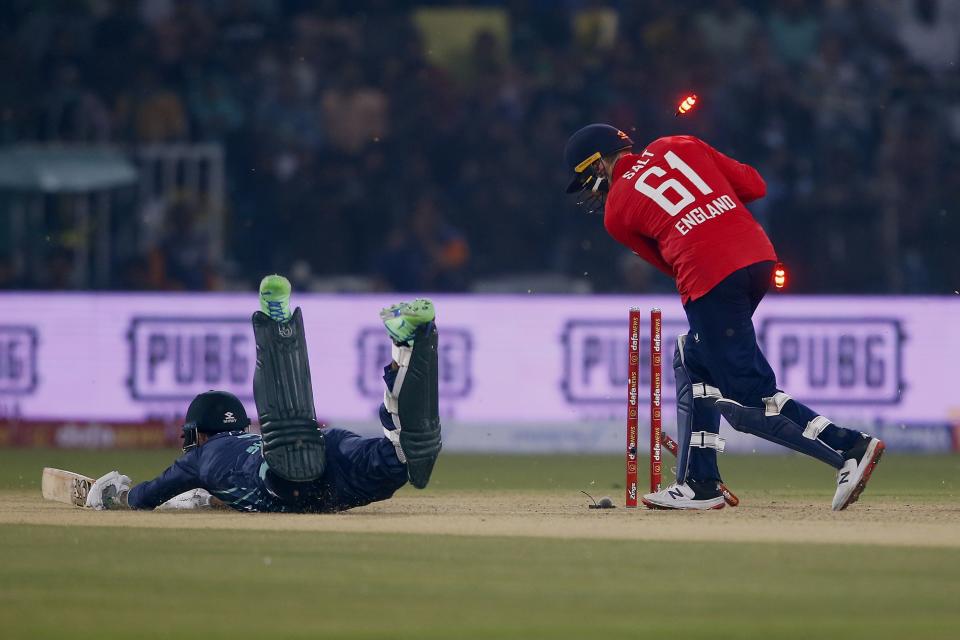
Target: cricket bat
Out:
[65,486]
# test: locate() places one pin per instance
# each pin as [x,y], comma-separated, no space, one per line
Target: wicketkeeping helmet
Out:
[213,412]
[584,150]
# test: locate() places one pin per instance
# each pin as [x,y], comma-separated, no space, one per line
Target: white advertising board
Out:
[517,373]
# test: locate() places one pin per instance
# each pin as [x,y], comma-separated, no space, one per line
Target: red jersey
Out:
[679,206]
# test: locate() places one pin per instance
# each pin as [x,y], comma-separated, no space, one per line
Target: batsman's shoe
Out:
[402,320]
[275,297]
[857,468]
[688,495]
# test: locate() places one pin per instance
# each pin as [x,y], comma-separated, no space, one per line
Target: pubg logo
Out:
[177,358]
[455,362]
[819,360]
[595,354]
[836,360]
[18,360]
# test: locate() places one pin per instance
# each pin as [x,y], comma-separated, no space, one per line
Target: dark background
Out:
[418,146]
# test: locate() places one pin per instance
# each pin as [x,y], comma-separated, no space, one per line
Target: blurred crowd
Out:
[419,145]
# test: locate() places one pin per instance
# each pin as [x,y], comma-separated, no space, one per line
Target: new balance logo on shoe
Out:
[843,477]
[676,494]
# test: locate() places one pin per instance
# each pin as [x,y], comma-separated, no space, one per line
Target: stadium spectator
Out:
[355,113]
[153,112]
[794,30]
[425,253]
[929,31]
[727,29]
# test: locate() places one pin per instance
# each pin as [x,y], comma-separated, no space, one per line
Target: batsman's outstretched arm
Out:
[179,477]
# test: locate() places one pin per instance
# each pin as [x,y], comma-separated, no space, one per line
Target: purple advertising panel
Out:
[517,373]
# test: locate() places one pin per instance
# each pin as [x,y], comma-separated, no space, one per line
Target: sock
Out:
[703,465]
[709,488]
[839,438]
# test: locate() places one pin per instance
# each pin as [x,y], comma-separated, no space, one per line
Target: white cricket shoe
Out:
[685,496]
[856,470]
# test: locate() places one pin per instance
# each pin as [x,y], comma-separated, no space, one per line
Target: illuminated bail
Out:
[687,104]
[779,276]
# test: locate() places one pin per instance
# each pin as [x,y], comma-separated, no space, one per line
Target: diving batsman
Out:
[295,465]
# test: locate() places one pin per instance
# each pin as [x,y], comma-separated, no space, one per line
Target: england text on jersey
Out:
[697,215]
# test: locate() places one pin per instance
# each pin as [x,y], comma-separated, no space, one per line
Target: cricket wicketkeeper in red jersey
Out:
[679,205]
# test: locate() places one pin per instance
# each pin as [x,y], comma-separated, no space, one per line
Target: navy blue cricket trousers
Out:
[359,470]
[722,347]
[722,351]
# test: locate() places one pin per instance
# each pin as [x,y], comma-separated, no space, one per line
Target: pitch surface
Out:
[497,547]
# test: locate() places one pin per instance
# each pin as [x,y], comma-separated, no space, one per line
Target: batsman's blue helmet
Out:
[588,145]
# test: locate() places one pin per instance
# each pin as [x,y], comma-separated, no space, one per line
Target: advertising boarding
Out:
[517,373]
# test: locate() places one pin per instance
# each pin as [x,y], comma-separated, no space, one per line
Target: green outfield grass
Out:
[106,583]
[101,582]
